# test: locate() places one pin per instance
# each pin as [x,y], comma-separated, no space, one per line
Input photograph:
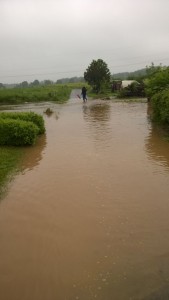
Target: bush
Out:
[160,106]
[17,132]
[133,90]
[157,82]
[26,116]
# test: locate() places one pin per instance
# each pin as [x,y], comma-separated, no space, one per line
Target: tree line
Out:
[36,82]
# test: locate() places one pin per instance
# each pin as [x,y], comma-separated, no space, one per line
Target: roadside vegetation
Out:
[20,128]
[56,92]
[157,91]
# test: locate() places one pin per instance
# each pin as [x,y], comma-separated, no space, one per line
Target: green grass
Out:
[106,93]
[56,92]
[10,158]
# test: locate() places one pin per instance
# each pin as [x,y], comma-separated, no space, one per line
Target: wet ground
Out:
[88,216]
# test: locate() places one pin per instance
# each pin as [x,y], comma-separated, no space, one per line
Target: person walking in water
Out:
[84,91]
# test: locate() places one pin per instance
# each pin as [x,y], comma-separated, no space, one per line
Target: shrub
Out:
[133,90]
[160,106]
[26,116]
[158,81]
[17,132]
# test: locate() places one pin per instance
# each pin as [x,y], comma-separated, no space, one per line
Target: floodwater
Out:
[88,215]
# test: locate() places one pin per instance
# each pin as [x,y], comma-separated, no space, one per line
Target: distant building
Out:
[117,85]
[126,83]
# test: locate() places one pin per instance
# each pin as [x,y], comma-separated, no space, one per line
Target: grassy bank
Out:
[58,93]
[9,162]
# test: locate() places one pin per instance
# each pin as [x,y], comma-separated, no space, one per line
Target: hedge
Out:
[160,105]
[26,116]
[17,132]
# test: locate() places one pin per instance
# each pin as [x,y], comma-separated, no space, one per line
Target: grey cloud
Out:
[58,38]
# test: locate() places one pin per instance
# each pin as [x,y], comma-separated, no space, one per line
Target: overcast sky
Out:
[52,39]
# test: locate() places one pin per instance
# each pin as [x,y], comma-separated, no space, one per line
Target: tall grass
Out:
[58,93]
[55,92]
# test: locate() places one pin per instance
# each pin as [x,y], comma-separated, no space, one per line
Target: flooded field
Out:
[88,216]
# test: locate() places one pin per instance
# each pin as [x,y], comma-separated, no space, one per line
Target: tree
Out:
[158,81]
[157,90]
[24,84]
[97,74]
[152,69]
[48,82]
[35,82]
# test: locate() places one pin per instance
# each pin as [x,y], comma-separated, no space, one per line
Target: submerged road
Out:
[87,218]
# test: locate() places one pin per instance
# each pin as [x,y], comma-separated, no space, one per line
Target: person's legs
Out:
[84,98]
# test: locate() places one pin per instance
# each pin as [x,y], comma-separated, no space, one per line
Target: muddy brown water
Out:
[88,216]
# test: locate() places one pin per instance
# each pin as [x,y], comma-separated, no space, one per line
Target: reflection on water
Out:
[156,143]
[88,217]
[34,154]
[157,146]
[97,112]
[98,115]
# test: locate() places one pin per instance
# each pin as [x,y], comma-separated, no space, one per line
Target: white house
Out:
[126,83]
